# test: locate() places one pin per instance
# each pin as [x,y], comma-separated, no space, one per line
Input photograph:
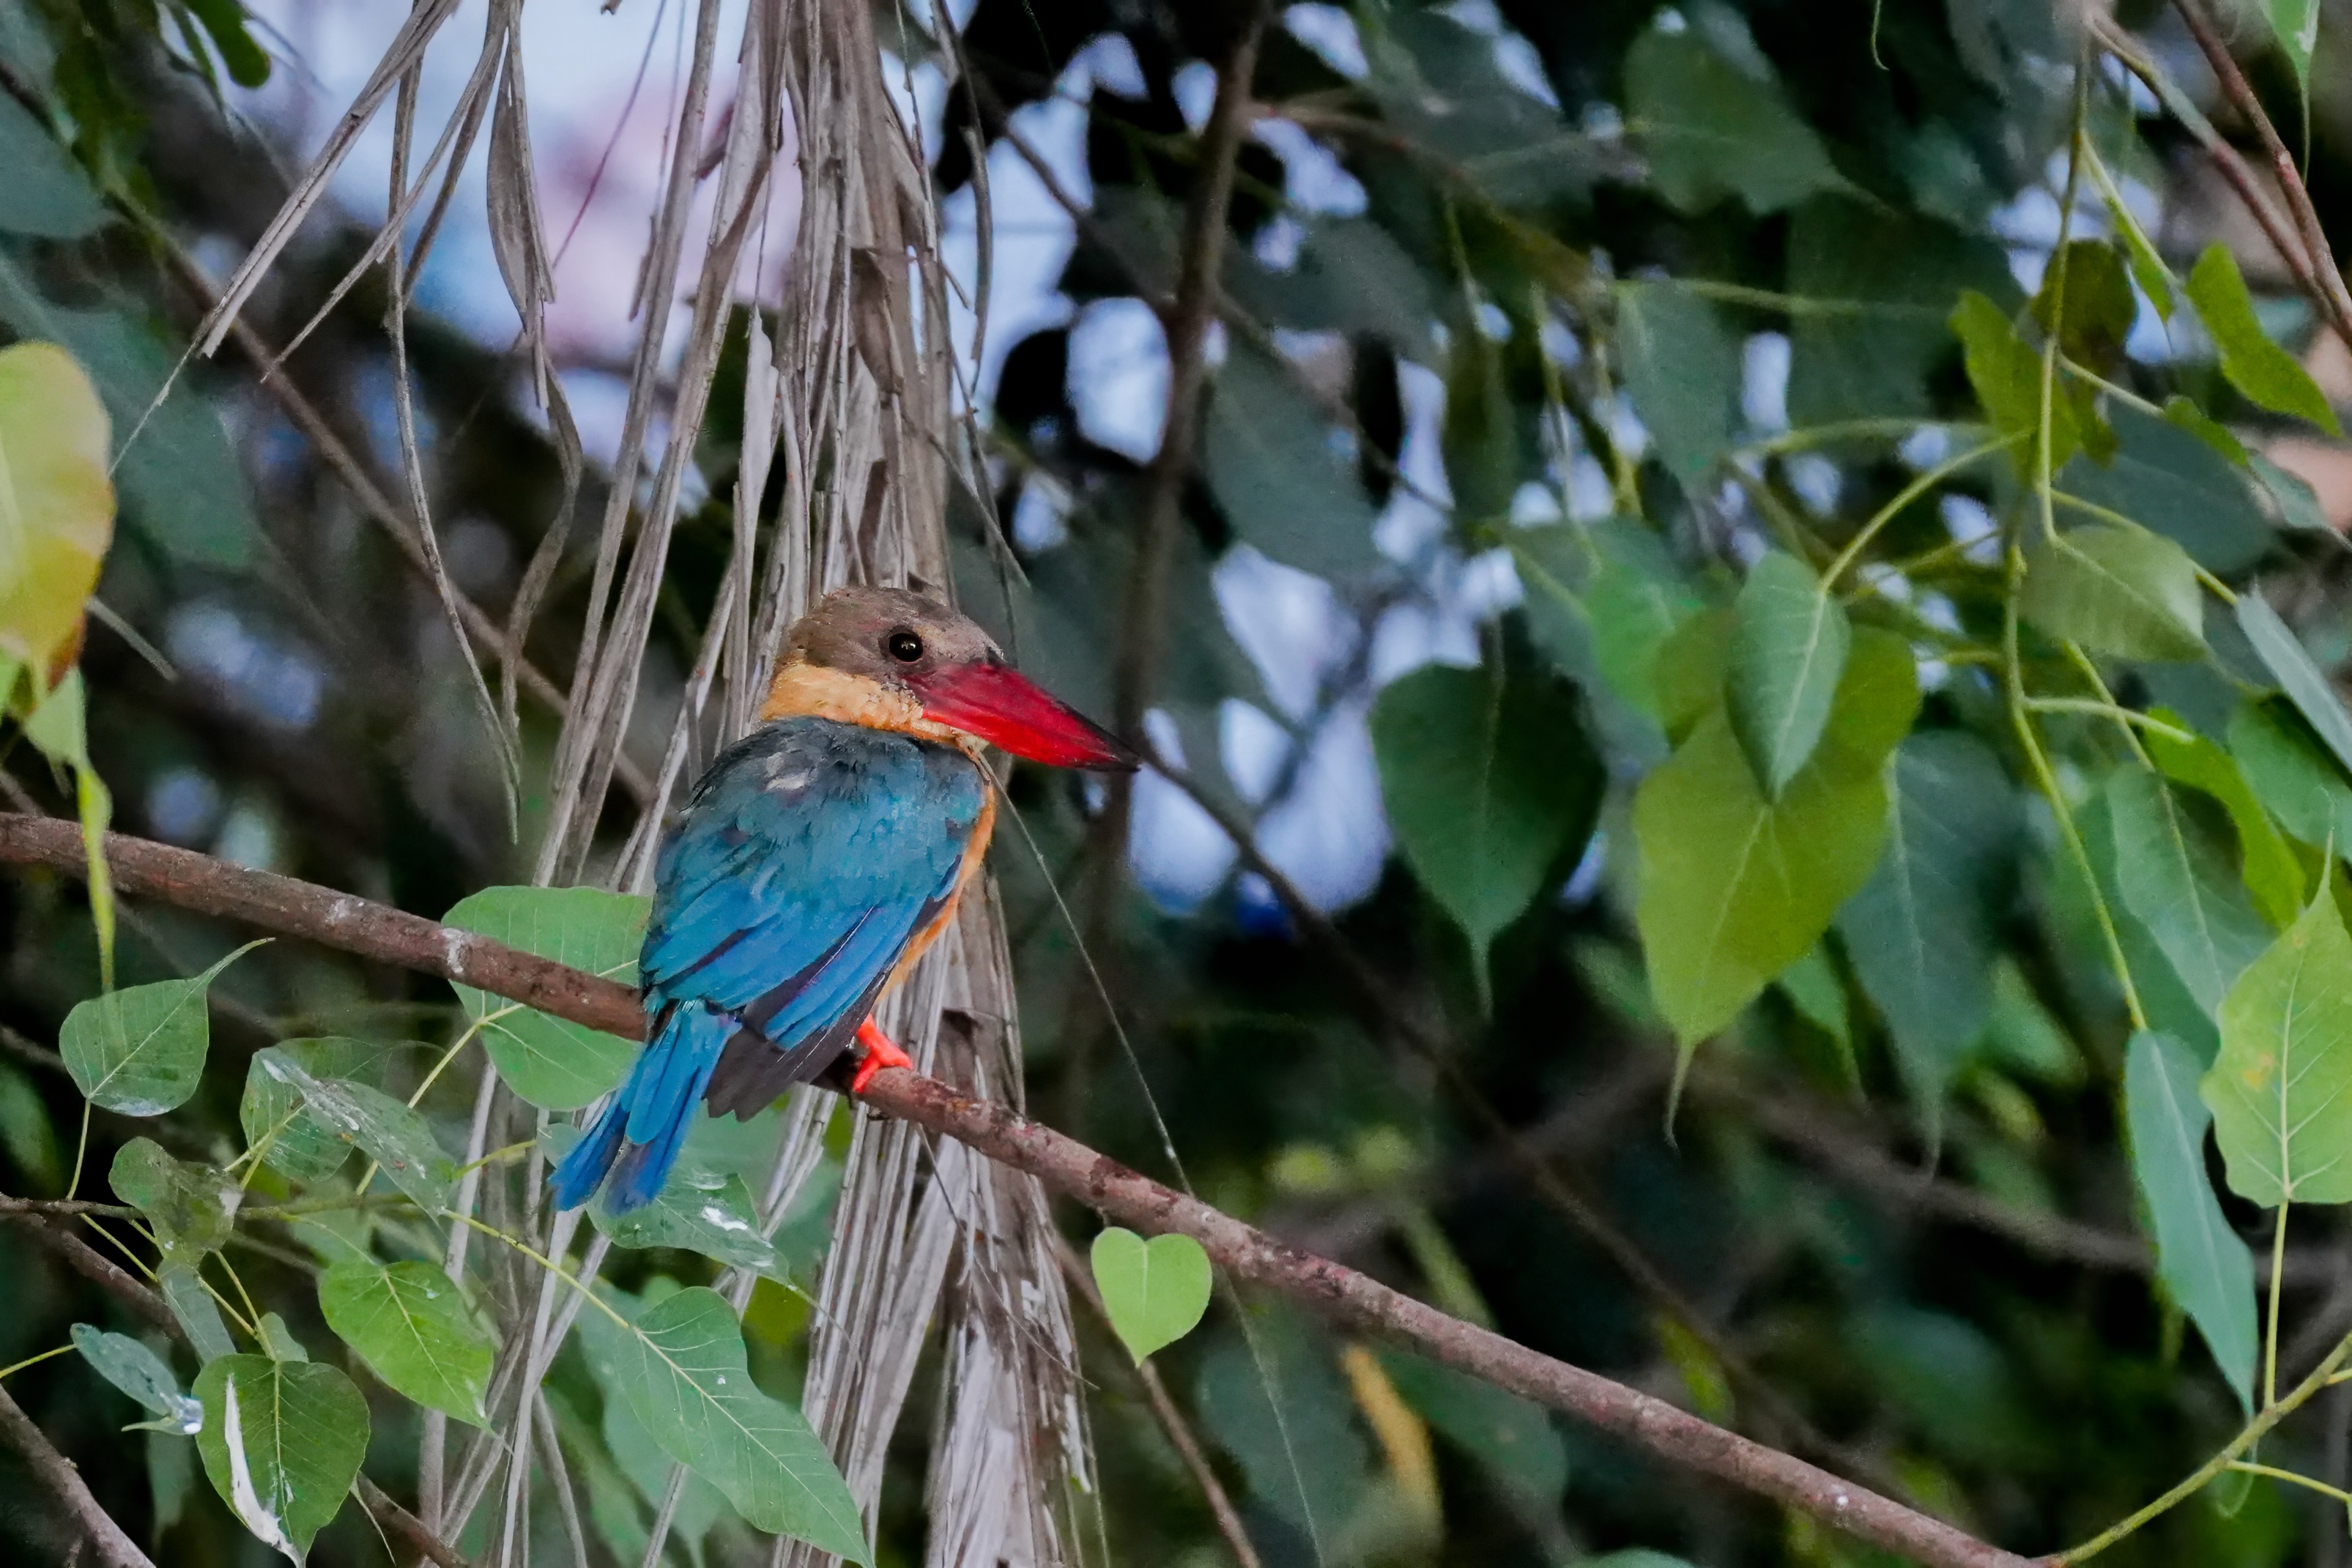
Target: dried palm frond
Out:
[854,394]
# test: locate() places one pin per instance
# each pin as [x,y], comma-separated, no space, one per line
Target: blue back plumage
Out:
[810,855]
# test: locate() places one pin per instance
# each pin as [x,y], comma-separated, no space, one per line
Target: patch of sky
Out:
[1972,525]
[1330,31]
[1764,382]
[1313,179]
[1119,376]
[1195,87]
[182,805]
[1331,837]
[258,677]
[1179,852]
[1816,480]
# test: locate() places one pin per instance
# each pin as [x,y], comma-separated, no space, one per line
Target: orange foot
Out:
[879,1052]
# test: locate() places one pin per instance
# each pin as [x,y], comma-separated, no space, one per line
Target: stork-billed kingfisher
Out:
[814,861]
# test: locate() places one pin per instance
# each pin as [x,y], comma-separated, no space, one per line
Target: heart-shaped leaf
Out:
[282,1443]
[140,1051]
[1154,1291]
[411,1325]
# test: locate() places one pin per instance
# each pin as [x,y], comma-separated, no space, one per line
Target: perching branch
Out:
[368,930]
[115,1550]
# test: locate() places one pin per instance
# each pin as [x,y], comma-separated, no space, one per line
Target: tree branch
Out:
[387,935]
[1143,633]
[115,1550]
[2335,302]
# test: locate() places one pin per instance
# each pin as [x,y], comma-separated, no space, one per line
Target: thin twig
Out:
[2335,300]
[2235,170]
[1143,642]
[374,931]
[1171,1419]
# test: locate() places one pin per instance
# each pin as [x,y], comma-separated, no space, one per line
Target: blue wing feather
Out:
[808,858]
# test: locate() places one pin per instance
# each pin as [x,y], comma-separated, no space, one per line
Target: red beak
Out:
[1006,708]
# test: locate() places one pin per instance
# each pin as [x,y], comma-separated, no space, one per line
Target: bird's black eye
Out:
[904,646]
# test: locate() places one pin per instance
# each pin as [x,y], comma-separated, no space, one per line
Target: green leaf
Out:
[413,1328]
[1813,989]
[1924,930]
[2297,781]
[2006,372]
[55,491]
[1479,438]
[180,480]
[1637,1557]
[1877,284]
[192,1308]
[1280,1408]
[2168,478]
[2176,878]
[1736,888]
[1488,785]
[2296,24]
[681,1365]
[2268,866]
[2264,374]
[1270,460]
[1512,1437]
[224,20]
[144,1376]
[2281,652]
[1682,368]
[1154,1292]
[696,1210]
[1711,113]
[278,1341]
[1689,672]
[2298,505]
[1787,651]
[190,1207]
[2201,1261]
[282,1443]
[45,196]
[2280,1090]
[26,1135]
[301,1147]
[1352,277]
[2100,306]
[392,1134]
[2116,590]
[2162,993]
[141,1050]
[551,1062]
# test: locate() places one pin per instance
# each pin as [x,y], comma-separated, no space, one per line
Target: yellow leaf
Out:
[56,505]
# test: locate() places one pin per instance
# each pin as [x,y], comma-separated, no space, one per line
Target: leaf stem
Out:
[2123,717]
[2276,1474]
[35,1360]
[2270,1336]
[82,1150]
[1918,487]
[2253,1433]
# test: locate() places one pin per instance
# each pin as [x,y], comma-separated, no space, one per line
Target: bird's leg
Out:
[879,1052]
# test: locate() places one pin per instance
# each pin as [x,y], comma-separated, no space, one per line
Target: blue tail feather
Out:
[658,1101]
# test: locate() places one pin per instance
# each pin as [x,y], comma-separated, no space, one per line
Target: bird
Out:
[814,864]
